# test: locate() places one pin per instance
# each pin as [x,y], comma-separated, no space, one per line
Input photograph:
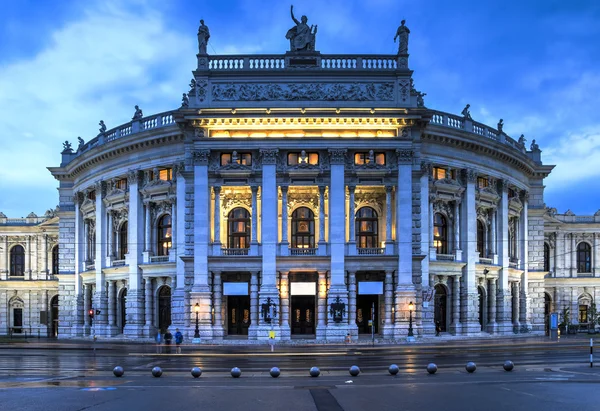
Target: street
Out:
[56,375]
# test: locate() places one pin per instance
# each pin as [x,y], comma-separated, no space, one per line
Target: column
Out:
[352,304]
[457,226]
[573,256]
[456,326]
[389,242]
[352,223]
[594,254]
[515,313]
[149,307]
[78,328]
[252,330]
[284,216]
[4,258]
[337,241]
[174,221]
[110,237]
[111,307]
[45,256]
[200,292]
[524,245]
[321,304]
[147,233]
[493,233]
[491,327]
[48,324]
[388,326]
[284,290]
[218,305]
[469,295]
[86,306]
[28,259]
[100,296]
[322,242]
[181,313]
[503,295]
[217,216]
[86,243]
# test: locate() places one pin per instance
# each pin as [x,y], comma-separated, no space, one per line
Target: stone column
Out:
[456,326]
[432,249]
[492,325]
[254,222]
[78,320]
[284,217]
[594,254]
[337,241]
[200,292]
[134,306]
[269,235]
[524,245]
[110,237]
[493,233]
[253,329]
[111,309]
[457,248]
[45,256]
[503,296]
[218,292]
[147,231]
[181,310]
[405,289]
[28,260]
[149,326]
[87,303]
[86,243]
[4,258]
[100,297]
[389,242]
[321,305]
[217,216]
[469,294]
[573,256]
[322,242]
[174,221]
[352,304]
[352,223]
[515,301]
[284,290]
[388,326]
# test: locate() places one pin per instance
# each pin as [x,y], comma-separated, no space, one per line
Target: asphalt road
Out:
[72,376]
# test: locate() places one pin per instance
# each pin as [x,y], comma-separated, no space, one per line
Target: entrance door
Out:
[440,307]
[122,302]
[303,314]
[480,294]
[164,308]
[54,316]
[18,320]
[547,305]
[238,309]
[364,306]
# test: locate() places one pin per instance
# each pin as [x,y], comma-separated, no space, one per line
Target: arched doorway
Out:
[547,308]
[440,301]
[54,316]
[122,309]
[164,308]
[481,301]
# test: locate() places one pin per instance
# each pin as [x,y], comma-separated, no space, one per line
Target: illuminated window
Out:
[440,234]
[482,182]
[244,159]
[480,238]
[369,158]
[303,228]
[123,241]
[238,227]
[584,258]
[17,261]
[366,227]
[439,173]
[164,235]
[55,259]
[583,314]
[303,158]
[166,174]
[121,184]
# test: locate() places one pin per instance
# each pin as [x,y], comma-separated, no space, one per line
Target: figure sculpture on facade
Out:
[301,37]
[185,101]
[402,34]
[466,113]
[203,36]
[521,141]
[303,158]
[67,148]
[534,146]
[138,113]
[420,101]
[500,126]
[371,157]
[81,143]
[102,126]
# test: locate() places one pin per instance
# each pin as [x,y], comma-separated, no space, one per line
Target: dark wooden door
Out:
[440,308]
[18,320]
[238,320]
[364,306]
[303,314]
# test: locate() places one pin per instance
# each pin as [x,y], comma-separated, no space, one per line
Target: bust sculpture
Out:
[402,34]
[301,37]
[371,157]
[203,36]
[303,158]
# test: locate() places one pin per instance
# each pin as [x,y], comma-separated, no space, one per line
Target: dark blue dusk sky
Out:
[64,65]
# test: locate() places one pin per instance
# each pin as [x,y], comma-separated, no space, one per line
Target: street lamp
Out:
[411,307]
[197,310]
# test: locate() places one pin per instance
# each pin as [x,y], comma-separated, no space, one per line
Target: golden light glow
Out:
[411,306]
[302,133]
[197,308]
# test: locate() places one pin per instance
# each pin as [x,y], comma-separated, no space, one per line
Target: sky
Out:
[64,65]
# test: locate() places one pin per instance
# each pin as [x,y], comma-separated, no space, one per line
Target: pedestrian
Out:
[158,342]
[178,340]
[168,338]
[438,328]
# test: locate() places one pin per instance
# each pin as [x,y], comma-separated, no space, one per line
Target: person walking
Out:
[178,340]
[168,339]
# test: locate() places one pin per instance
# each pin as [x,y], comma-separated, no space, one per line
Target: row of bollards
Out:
[315,372]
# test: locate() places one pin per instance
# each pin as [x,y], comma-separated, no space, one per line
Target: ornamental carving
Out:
[201,87]
[160,208]
[133,177]
[337,156]
[231,201]
[426,169]
[404,89]
[269,156]
[370,199]
[470,175]
[100,187]
[443,207]
[119,217]
[201,157]
[309,200]
[404,156]
[303,92]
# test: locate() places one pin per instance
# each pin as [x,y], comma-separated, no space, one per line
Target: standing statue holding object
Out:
[301,37]
[402,34]
[203,36]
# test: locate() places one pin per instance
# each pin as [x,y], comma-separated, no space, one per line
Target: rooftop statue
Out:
[138,113]
[81,143]
[534,146]
[185,101]
[522,140]
[500,126]
[402,34]
[102,126]
[203,36]
[466,113]
[301,37]
[67,148]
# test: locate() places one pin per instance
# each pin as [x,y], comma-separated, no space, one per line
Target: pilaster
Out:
[503,297]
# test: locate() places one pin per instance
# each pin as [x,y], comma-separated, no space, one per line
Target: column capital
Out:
[404,156]
[470,175]
[269,156]
[284,188]
[201,157]
[337,156]
[524,195]
[351,188]
[217,189]
[100,187]
[426,168]
[133,177]
[389,188]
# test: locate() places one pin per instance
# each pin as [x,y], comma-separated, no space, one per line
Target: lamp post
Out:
[197,310]
[411,336]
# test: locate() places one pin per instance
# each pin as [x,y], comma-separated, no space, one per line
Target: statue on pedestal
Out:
[402,34]
[203,36]
[466,113]
[534,146]
[185,101]
[522,140]
[500,126]
[138,113]
[102,126]
[301,37]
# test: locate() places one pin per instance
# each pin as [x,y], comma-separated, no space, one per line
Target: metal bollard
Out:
[236,372]
[508,365]
[354,371]
[470,367]
[196,372]
[393,369]
[431,368]
[275,372]
[315,372]
[118,371]
[156,371]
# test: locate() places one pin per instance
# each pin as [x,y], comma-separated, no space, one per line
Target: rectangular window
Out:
[583,314]
[303,158]
[166,174]
[482,182]
[369,158]
[244,159]
[92,195]
[439,173]
[121,184]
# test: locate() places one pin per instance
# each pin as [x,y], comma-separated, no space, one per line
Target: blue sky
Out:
[64,65]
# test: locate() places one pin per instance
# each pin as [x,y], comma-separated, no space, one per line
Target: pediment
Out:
[157,188]
[487,197]
[116,198]
[447,189]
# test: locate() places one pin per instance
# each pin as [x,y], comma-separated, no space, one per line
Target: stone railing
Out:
[278,62]
[159,259]
[234,251]
[444,257]
[90,266]
[118,263]
[303,251]
[483,260]
[370,251]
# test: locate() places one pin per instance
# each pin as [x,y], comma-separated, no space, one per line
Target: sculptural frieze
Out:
[402,34]
[303,92]
[301,36]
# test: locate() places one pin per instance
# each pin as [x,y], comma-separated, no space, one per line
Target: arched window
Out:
[480,238]
[584,258]
[367,231]
[164,235]
[303,228]
[17,261]
[546,257]
[123,241]
[238,228]
[55,260]
[440,234]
